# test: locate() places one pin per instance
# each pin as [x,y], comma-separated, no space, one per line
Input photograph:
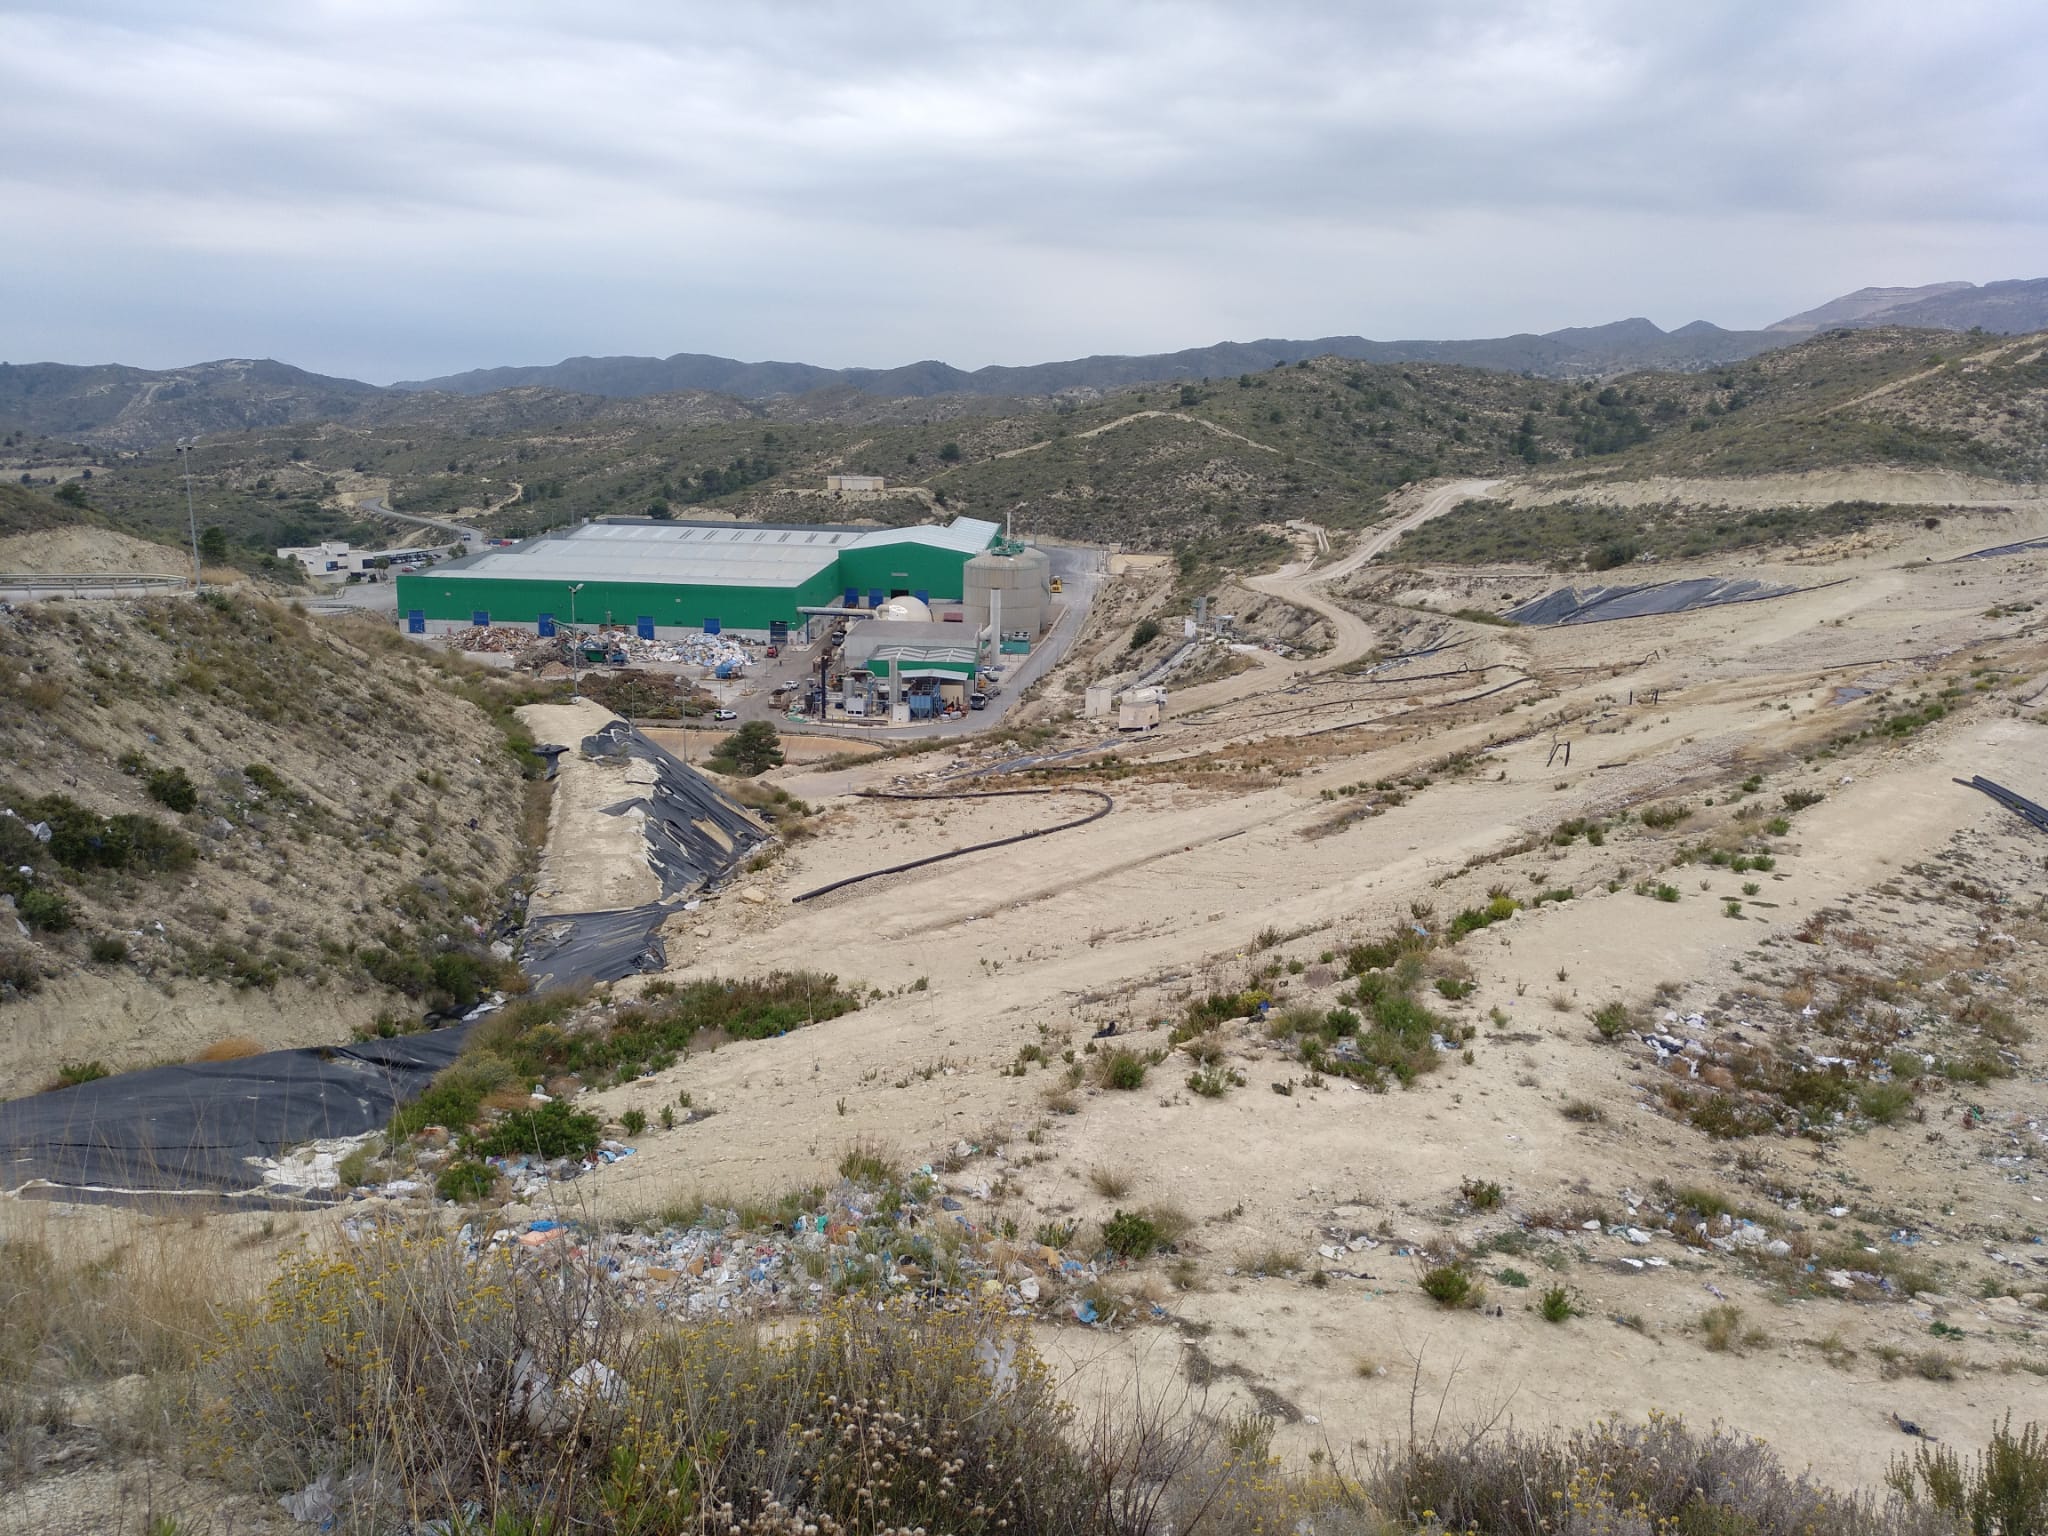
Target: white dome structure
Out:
[903,610]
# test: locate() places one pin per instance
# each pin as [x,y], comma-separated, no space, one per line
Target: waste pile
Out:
[611,642]
[709,651]
[484,640]
[918,1242]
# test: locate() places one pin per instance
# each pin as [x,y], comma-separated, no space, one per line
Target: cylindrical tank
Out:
[1024,577]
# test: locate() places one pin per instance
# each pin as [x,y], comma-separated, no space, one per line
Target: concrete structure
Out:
[1099,703]
[667,578]
[856,485]
[929,668]
[1011,584]
[1141,709]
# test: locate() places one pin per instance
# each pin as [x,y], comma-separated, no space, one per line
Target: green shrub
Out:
[634,1121]
[1668,813]
[455,1098]
[1130,1235]
[1122,1069]
[45,909]
[83,839]
[465,1181]
[1884,1102]
[1481,1194]
[71,1073]
[107,948]
[649,1035]
[2005,1490]
[170,787]
[551,1130]
[1611,1019]
[1451,1286]
[1214,1082]
[1558,1305]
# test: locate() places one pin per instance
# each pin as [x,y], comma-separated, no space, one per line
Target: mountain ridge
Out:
[114,405]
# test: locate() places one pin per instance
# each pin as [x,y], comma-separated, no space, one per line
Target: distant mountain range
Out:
[126,407]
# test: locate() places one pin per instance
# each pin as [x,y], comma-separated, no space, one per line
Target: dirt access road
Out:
[1298,583]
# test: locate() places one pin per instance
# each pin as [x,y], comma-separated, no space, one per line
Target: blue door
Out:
[546,626]
[876,597]
[416,621]
[711,626]
[645,626]
[852,597]
[923,597]
[480,619]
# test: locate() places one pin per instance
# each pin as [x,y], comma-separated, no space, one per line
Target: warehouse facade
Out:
[668,578]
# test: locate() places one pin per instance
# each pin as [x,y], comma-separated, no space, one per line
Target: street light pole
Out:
[185,447]
[575,647]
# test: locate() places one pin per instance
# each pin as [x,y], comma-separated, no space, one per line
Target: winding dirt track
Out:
[1298,583]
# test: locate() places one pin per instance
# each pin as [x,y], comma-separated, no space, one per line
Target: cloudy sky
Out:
[399,188]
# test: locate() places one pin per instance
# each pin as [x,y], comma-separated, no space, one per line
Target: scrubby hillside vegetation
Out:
[213,812]
[1916,399]
[1203,462]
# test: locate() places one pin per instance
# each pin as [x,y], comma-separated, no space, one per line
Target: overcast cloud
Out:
[407,188]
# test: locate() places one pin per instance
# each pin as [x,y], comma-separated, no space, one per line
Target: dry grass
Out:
[72,1315]
[231,1048]
[1110,1183]
[520,1386]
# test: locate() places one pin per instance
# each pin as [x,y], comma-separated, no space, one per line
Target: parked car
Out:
[977,701]
[726,714]
[772,652]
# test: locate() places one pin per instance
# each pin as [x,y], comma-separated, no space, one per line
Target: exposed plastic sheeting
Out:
[198,1126]
[1568,605]
[696,834]
[576,949]
[2017,803]
[2025,546]
[696,837]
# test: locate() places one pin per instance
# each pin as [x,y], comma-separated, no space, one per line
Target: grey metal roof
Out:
[711,554]
[866,641]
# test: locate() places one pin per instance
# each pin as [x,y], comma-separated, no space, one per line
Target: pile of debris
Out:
[486,640]
[707,651]
[858,1243]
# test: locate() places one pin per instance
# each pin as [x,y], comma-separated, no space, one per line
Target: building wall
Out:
[453,598]
[906,566]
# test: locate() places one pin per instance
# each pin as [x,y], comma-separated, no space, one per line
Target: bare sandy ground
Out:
[595,861]
[1225,853]
[88,552]
[1178,889]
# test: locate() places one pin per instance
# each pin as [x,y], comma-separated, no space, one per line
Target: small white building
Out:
[322,559]
[856,485]
[1140,709]
[332,559]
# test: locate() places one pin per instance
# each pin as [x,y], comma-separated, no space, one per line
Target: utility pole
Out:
[185,447]
[575,647]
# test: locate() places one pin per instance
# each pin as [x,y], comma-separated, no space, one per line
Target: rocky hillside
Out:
[234,823]
[1914,399]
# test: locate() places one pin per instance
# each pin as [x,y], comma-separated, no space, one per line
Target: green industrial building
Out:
[666,579]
